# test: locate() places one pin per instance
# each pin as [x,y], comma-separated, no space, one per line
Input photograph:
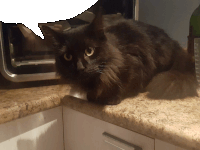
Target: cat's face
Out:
[81,53]
[80,56]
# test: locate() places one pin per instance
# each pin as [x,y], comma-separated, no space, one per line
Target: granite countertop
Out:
[176,121]
[17,103]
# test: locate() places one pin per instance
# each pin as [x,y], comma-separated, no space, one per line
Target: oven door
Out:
[21,62]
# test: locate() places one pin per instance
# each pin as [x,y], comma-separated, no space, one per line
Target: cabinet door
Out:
[41,131]
[161,145]
[82,132]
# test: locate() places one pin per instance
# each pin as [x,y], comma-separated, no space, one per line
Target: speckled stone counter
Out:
[17,103]
[176,122]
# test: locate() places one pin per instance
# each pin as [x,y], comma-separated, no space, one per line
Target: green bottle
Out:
[194,30]
[194,40]
[195,22]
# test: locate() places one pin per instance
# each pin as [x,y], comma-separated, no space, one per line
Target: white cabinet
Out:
[82,132]
[41,131]
[161,145]
[44,131]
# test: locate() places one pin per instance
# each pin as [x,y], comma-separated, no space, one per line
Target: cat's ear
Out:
[96,27]
[54,36]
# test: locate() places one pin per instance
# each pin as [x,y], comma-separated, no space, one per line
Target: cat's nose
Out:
[80,65]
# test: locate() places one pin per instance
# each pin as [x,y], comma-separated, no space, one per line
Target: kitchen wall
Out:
[171,15]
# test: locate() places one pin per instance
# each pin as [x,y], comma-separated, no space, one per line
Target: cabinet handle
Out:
[119,143]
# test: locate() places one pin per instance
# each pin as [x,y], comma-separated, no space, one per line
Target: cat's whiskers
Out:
[94,70]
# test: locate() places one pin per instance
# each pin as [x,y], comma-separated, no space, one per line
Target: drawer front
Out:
[40,131]
[82,132]
[115,143]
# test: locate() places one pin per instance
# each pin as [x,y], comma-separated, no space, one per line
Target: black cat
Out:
[113,58]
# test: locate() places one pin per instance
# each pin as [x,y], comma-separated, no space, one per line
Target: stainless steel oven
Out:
[19,64]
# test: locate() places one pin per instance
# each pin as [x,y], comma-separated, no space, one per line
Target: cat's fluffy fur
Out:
[129,57]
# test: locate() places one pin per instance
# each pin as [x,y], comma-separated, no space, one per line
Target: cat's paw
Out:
[104,101]
[112,102]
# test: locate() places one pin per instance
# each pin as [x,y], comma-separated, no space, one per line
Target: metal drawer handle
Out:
[119,143]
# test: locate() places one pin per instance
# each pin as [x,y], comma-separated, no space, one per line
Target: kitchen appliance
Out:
[18,63]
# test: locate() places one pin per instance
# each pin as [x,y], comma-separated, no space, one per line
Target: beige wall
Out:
[171,15]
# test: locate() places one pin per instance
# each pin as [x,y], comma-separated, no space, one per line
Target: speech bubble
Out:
[32,12]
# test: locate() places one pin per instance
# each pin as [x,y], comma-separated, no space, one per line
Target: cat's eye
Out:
[89,51]
[67,57]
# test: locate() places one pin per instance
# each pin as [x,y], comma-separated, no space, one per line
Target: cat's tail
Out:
[178,82]
[172,84]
